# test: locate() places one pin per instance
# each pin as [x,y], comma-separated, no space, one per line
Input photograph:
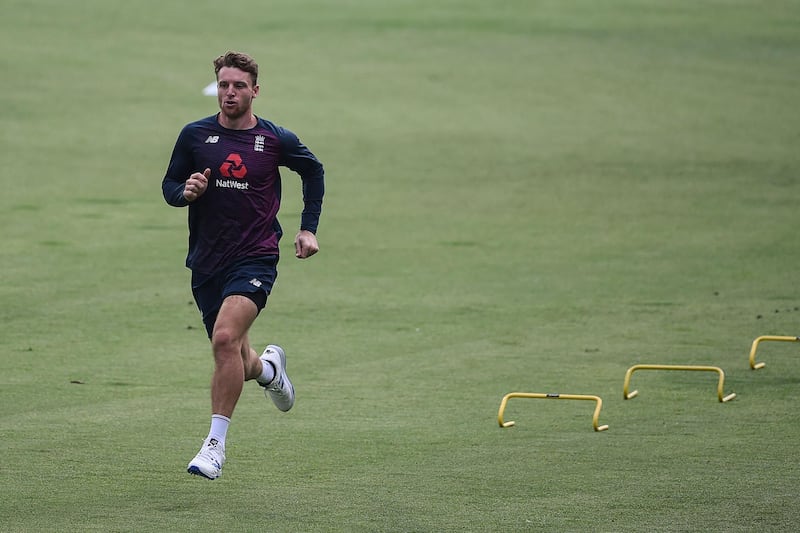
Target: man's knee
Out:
[226,342]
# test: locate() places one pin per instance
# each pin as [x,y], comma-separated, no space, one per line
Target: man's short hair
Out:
[237,60]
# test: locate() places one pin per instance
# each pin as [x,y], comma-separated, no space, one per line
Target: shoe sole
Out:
[195,471]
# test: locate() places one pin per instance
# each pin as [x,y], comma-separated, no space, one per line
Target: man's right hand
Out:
[196,185]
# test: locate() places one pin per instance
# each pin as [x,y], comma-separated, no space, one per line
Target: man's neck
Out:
[245,122]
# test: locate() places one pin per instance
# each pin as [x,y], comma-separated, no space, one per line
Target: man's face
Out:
[235,92]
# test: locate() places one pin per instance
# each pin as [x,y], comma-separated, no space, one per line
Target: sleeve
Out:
[178,171]
[297,157]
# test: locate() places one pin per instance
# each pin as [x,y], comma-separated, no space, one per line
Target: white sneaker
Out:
[280,390]
[208,461]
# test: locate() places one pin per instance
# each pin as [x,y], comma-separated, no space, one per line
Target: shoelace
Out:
[212,454]
[276,384]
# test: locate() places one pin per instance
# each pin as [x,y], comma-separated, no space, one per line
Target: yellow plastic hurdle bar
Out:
[754,347]
[595,417]
[720,385]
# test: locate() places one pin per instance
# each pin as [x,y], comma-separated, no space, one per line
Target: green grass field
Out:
[522,196]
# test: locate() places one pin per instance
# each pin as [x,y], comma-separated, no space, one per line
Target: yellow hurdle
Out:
[510,395]
[720,385]
[754,347]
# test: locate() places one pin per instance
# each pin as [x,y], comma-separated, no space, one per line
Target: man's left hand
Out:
[305,244]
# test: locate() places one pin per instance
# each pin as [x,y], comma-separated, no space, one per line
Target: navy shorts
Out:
[252,277]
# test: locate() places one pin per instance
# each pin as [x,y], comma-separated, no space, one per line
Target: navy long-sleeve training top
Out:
[236,217]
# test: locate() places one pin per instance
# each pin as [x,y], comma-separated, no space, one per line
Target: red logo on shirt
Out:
[233,167]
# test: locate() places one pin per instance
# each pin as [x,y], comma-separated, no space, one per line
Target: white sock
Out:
[267,372]
[219,429]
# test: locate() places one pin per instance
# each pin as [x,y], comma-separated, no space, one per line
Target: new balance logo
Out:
[212,139]
[255,282]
